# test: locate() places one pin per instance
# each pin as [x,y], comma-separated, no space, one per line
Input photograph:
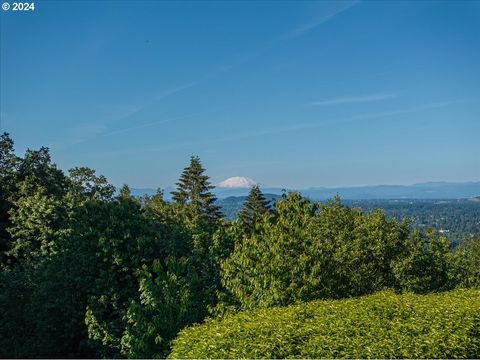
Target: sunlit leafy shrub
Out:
[383,325]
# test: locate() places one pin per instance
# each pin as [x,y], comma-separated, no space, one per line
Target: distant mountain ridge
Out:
[427,190]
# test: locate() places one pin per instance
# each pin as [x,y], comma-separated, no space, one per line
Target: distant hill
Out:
[429,190]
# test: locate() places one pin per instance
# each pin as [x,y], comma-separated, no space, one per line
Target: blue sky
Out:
[291,94]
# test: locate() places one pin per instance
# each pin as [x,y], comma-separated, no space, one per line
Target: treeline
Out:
[86,272]
[457,219]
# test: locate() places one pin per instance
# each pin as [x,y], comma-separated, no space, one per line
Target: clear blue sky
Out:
[289,94]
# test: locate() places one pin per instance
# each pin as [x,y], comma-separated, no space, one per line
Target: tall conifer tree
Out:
[253,209]
[194,188]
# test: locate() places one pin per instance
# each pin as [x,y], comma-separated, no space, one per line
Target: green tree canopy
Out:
[467,264]
[311,251]
[253,210]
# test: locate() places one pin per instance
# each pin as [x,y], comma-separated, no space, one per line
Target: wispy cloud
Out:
[141,126]
[128,111]
[340,6]
[85,131]
[174,90]
[248,135]
[113,114]
[319,20]
[354,99]
[312,125]
[283,129]
[78,134]
[297,31]
[117,112]
[434,105]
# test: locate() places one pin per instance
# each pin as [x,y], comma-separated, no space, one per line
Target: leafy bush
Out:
[383,325]
[467,264]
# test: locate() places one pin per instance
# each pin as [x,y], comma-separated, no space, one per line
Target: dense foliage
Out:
[310,251]
[86,271]
[380,326]
[457,219]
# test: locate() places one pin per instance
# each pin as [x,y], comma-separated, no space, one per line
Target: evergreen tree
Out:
[194,188]
[253,210]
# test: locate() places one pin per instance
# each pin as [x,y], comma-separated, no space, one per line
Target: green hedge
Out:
[383,325]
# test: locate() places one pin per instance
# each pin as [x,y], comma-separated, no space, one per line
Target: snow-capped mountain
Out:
[237,182]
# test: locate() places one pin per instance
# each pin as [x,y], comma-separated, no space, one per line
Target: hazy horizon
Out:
[267,186]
